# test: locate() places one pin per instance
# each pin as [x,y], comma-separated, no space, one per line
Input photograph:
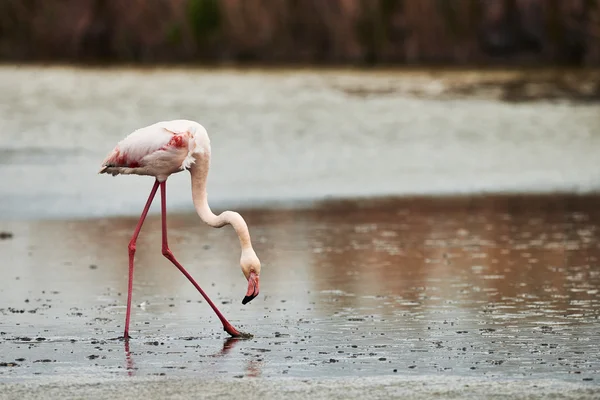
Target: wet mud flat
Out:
[430,297]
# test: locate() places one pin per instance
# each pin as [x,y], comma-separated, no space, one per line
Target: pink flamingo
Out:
[163,149]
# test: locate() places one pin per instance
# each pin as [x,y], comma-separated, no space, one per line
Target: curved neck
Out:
[199,174]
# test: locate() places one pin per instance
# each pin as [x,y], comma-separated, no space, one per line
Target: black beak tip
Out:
[247,299]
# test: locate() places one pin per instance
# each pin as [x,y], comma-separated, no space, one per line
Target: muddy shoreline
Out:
[428,387]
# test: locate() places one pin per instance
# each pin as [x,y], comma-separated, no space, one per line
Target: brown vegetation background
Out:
[536,32]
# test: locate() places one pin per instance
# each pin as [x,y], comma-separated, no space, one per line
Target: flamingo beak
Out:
[252,288]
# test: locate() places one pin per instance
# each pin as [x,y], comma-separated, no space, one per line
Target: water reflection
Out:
[496,248]
[129,367]
[499,284]
[252,368]
[228,344]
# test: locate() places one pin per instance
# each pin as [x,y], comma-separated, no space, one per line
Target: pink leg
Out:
[132,253]
[169,254]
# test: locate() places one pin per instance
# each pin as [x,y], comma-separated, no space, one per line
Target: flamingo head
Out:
[251,268]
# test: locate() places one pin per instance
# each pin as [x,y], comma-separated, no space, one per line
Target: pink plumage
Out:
[158,150]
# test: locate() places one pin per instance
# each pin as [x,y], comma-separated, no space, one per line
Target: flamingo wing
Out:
[163,145]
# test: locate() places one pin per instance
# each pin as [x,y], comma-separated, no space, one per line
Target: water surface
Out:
[487,288]
[283,137]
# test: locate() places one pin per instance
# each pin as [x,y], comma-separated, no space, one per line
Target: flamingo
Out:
[160,150]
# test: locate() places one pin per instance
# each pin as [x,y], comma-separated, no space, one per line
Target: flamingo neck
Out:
[199,175]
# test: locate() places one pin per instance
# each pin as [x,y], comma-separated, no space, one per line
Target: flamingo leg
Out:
[169,255]
[131,248]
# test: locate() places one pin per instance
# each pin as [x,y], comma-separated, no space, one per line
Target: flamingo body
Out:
[160,150]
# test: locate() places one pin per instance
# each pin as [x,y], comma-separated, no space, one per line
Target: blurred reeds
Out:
[356,32]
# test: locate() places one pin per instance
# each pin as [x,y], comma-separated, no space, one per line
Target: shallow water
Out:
[283,137]
[497,287]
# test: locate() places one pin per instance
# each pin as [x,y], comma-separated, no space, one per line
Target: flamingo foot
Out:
[121,338]
[235,333]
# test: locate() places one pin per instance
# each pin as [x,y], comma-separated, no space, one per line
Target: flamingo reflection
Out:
[128,360]
[253,368]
